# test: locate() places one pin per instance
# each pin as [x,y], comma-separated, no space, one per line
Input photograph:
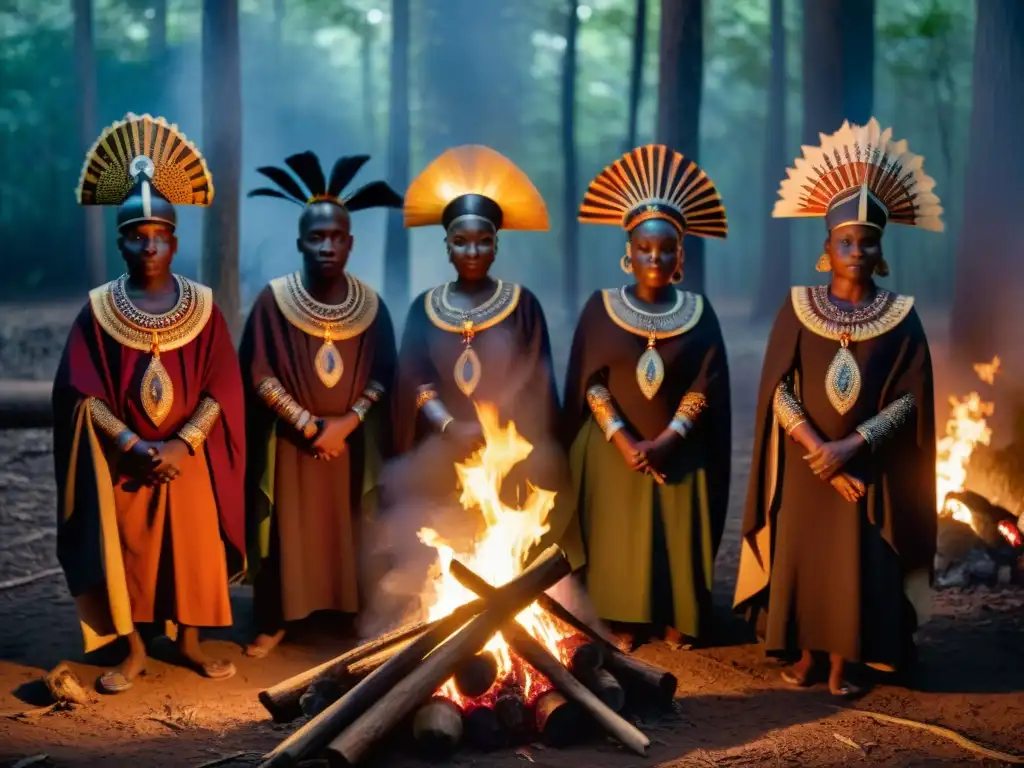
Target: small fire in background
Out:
[966,427]
[498,553]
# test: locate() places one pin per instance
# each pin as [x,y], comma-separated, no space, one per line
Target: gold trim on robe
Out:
[336,322]
[683,317]
[446,317]
[819,315]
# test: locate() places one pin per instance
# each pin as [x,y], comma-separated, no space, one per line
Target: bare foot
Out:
[800,673]
[624,641]
[264,644]
[134,665]
[192,652]
[838,685]
[676,640]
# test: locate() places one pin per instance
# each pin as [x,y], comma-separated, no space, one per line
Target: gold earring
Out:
[882,268]
[625,263]
[677,277]
[824,264]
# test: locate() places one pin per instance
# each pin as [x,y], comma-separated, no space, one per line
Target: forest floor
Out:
[731,710]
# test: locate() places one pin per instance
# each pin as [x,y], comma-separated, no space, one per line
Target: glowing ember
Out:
[966,427]
[498,554]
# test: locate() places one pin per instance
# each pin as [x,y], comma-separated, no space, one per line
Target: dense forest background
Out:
[560,86]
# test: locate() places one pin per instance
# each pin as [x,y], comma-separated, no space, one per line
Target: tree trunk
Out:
[775,278]
[857,29]
[681,75]
[366,81]
[571,236]
[158,35]
[989,273]
[396,242]
[636,74]
[95,251]
[222,147]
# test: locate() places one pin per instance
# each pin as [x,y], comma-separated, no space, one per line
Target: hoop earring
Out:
[626,264]
[677,277]
[824,264]
[882,268]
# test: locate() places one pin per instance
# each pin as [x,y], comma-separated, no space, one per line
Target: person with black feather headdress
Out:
[318,355]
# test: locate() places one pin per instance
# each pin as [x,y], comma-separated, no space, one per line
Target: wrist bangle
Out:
[445,424]
[127,440]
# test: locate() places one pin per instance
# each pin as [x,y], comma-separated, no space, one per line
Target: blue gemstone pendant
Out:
[328,364]
[650,372]
[157,391]
[843,381]
[467,371]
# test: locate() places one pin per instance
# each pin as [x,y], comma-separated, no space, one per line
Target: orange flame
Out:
[498,555]
[966,427]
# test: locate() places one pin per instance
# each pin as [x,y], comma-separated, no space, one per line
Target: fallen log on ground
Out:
[25,404]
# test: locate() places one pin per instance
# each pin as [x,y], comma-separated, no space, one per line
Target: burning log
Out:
[315,734]
[437,727]
[484,729]
[477,675]
[282,700]
[586,657]
[558,721]
[502,604]
[538,656]
[513,715]
[606,687]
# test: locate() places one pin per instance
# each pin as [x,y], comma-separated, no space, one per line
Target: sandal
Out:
[796,680]
[113,682]
[846,691]
[221,669]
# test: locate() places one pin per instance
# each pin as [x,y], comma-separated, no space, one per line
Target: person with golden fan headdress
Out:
[647,412]
[318,357]
[840,524]
[149,444]
[478,339]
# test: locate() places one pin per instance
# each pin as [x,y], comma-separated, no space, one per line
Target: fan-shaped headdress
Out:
[146,166]
[860,175]
[655,182]
[475,181]
[306,166]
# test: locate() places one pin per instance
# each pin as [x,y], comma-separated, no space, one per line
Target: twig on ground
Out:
[21,581]
[31,713]
[237,756]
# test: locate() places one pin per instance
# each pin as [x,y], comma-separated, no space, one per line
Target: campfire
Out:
[495,661]
[979,541]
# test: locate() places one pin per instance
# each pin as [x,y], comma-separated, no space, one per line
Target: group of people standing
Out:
[182,464]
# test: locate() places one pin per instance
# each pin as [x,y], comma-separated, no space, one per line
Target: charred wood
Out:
[437,728]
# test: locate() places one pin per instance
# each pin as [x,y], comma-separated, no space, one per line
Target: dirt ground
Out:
[731,708]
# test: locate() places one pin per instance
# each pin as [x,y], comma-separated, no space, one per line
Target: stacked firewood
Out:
[394,681]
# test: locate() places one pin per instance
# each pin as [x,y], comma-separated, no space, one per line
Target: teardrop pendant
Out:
[650,372]
[328,363]
[467,371]
[843,381]
[157,391]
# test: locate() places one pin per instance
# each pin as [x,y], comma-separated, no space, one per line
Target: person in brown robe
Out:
[840,525]
[647,418]
[148,409]
[318,356]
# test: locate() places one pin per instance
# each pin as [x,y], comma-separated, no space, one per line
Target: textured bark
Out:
[222,147]
[570,227]
[636,72]
[396,242]
[680,86]
[989,281]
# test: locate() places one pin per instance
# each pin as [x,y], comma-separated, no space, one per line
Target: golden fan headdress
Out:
[474,180]
[144,145]
[655,182]
[860,175]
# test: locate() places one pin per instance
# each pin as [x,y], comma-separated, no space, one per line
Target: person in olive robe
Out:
[149,444]
[318,358]
[840,524]
[647,415]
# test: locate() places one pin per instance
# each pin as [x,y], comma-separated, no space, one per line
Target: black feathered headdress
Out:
[306,166]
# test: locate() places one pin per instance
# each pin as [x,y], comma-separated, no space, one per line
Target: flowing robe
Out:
[834,576]
[135,553]
[515,375]
[650,548]
[305,515]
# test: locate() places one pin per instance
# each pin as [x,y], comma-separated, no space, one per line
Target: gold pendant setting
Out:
[650,370]
[843,379]
[157,391]
[468,367]
[328,363]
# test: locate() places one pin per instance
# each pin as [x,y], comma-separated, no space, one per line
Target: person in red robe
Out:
[149,444]
[318,356]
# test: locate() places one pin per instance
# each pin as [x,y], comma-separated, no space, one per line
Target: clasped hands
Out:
[828,459]
[156,462]
[646,456]
[330,440]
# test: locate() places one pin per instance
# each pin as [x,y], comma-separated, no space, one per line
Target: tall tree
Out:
[95,250]
[222,146]
[774,278]
[396,241]
[636,72]
[857,29]
[158,34]
[990,251]
[680,86]
[571,232]
[366,36]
